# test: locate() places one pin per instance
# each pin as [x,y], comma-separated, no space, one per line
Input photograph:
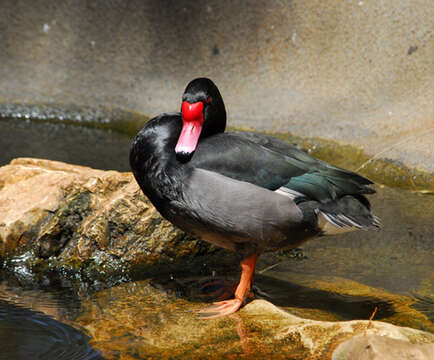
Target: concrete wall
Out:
[360,72]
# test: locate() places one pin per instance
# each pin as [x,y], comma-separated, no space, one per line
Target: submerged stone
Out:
[138,320]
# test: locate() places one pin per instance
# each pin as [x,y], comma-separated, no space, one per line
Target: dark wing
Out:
[273,164]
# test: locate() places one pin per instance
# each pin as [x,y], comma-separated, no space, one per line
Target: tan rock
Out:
[376,347]
[77,213]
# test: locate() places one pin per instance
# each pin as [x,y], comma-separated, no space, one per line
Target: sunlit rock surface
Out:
[79,215]
[138,320]
[381,347]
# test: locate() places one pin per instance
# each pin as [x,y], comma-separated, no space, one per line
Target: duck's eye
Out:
[208,100]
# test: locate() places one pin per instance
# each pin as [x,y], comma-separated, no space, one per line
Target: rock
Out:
[78,217]
[377,347]
[138,320]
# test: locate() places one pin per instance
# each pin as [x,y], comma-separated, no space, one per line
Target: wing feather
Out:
[272,164]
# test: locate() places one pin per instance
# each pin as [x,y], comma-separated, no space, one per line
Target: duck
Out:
[246,192]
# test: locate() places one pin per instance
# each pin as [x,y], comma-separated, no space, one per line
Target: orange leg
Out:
[227,307]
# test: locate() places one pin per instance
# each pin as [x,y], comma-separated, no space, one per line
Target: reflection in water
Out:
[27,334]
[343,306]
[242,333]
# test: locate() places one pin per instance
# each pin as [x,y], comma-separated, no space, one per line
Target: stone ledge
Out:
[75,216]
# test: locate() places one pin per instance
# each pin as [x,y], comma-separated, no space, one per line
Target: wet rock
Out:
[138,320]
[78,217]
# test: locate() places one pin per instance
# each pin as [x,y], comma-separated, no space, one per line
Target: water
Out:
[34,325]
[69,143]
[335,278]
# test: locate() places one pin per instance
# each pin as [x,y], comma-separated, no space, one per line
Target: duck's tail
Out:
[348,213]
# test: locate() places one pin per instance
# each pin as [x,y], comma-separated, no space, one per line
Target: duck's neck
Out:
[153,159]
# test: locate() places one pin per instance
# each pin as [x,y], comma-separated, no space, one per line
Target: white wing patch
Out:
[332,224]
[292,194]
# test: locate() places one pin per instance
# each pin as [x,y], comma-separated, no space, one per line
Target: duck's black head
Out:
[203,114]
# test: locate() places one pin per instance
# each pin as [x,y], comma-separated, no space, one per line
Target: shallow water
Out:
[73,144]
[334,278]
[33,325]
